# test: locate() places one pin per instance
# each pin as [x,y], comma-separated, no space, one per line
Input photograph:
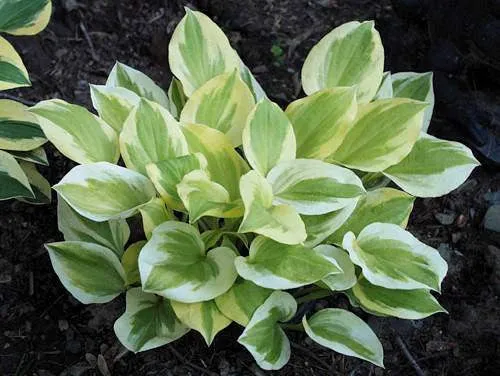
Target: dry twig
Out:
[189,364]
[410,357]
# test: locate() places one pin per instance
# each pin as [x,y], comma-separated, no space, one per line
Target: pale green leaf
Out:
[385,205]
[224,165]
[199,51]
[90,272]
[385,88]
[279,266]
[382,135]
[75,132]
[433,168]
[252,83]
[150,134]
[112,234]
[176,97]
[321,121]
[166,175]
[129,78]
[113,104]
[263,337]
[391,257]
[130,262]
[241,301]
[340,281]
[345,333]
[350,55]
[223,103]
[174,264]
[405,304]
[314,187]
[148,322]
[103,191]
[203,317]
[416,86]
[320,227]
[154,213]
[203,197]
[268,137]
[279,222]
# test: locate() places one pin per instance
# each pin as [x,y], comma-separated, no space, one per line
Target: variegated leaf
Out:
[176,97]
[314,187]
[13,181]
[204,317]
[90,272]
[129,78]
[433,168]
[405,304]
[279,222]
[224,165]
[37,156]
[241,301]
[252,83]
[203,197]
[130,262]
[340,281]
[223,103]
[75,132]
[24,17]
[113,104]
[154,213]
[319,227]
[345,333]
[112,234]
[263,336]
[166,175]
[321,121]
[148,322]
[103,191]
[150,134]
[174,264]
[391,257]
[350,55]
[385,205]
[39,185]
[279,266]
[268,137]
[13,73]
[415,86]
[199,51]
[385,88]
[382,135]
[19,130]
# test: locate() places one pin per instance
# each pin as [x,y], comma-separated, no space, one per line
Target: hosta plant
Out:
[21,138]
[250,211]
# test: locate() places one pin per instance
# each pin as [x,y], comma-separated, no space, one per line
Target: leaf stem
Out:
[314,295]
[297,327]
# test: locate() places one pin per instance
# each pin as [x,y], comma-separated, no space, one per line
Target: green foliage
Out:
[21,137]
[248,210]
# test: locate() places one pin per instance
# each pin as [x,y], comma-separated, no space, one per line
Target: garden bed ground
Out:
[44,331]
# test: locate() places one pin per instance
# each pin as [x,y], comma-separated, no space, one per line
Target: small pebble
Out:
[445,218]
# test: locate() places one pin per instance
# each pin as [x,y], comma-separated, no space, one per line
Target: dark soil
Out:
[44,331]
